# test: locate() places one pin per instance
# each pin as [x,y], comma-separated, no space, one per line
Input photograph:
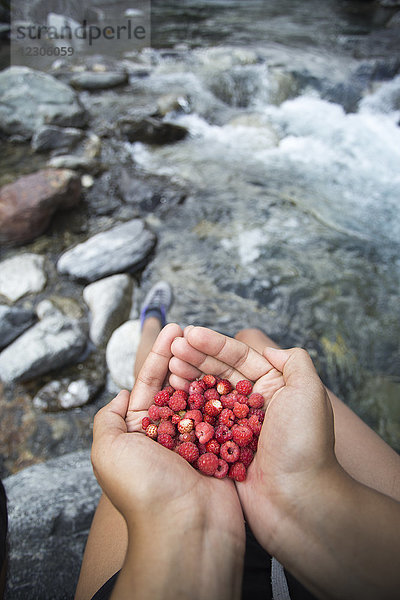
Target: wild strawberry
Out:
[253,444]
[254,425]
[204,432]
[222,434]
[222,469]
[196,401]
[256,400]
[188,437]
[146,422]
[209,380]
[166,440]
[167,427]
[154,412]
[165,412]
[228,400]
[161,398]
[242,435]
[169,389]
[240,410]
[213,446]
[241,399]
[188,451]
[209,419]
[202,448]
[213,407]
[237,472]
[211,394]
[151,431]
[223,387]
[242,422]
[226,417]
[244,387]
[195,415]
[177,401]
[208,463]
[259,412]
[185,425]
[197,386]
[229,452]
[246,456]
[175,419]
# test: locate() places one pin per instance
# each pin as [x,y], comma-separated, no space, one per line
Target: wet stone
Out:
[51,137]
[121,352]
[98,81]
[13,322]
[22,274]
[152,131]
[65,394]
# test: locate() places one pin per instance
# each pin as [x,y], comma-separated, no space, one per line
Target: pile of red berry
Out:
[213,426]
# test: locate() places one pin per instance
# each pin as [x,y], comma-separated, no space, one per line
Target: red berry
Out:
[244,387]
[242,435]
[161,398]
[146,422]
[188,451]
[196,401]
[227,417]
[259,412]
[228,400]
[202,448]
[197,386]
[241,410]
[256,400]
[169,389]
[209,380]
[222,469]
[253,444]
[195,415]
[213,446]
[208,463]
[165,412]
[185,425]
[246,456]
[175,419]
[166,440]
[167,427]
[213,408]
[154,412]
[178,400]
[204,432]
[209,419]
[241,399]
[237,472]
[223,387]
[254,425]
[211,394]
[222,434]
[151,431]
[229,452]
[188,437]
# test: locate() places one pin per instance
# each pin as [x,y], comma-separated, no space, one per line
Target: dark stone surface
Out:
[13,322]
[152,131]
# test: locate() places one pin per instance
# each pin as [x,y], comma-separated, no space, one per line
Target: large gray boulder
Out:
[121,248]
[56,340]
[30,99]
[50,508]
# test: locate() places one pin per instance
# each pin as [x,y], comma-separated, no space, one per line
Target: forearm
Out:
[188,559]
[341,540]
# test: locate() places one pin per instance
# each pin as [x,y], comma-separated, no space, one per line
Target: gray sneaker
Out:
[156,303]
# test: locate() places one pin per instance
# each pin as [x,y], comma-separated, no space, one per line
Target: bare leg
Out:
[108,537]
[360,451]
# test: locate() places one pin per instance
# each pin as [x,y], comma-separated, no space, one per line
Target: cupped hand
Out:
[296,443]
[141,477]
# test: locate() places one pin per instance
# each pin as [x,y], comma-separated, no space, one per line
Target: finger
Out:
[179,383]
[155,368]
[183,369]
[110,420]
[296,365]
[229,357]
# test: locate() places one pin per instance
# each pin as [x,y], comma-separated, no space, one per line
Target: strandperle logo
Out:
[85,31]
[43,31]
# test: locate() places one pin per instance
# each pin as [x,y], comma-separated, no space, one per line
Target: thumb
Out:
[296,366]
[110,420]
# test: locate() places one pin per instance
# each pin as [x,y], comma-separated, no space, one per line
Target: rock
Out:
[122,248]
[30,99]
[172,103]
[13,322]
[110,301]
[50,508]
[51,137]
[121,352]
[155,194]
[98,81]
[27,205]
[22,274]
[65,393]
[74,162]
[152,131]
[56,340]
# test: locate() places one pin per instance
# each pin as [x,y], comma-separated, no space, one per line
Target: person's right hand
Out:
[296,444]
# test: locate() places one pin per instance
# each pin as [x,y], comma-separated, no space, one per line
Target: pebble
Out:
[22,274]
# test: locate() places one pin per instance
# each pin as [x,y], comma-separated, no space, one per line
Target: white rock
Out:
[22,274]
[110,301]
[121,353]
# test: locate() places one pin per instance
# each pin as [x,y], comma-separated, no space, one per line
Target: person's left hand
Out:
[141,477]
